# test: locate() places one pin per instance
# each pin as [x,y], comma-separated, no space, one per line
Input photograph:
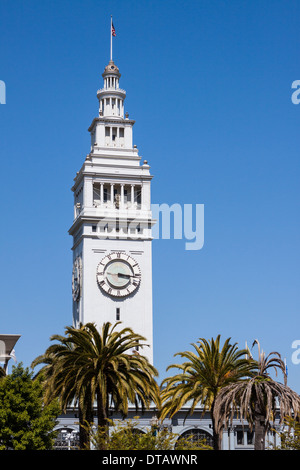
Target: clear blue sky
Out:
[209,85]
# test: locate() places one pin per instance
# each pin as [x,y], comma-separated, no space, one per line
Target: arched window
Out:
[198,435]
[67,439]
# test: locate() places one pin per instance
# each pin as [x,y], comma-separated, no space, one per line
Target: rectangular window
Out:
[240,437]
[94,228]
[118,315]
[121,132]
[96,192]
[250,436]
[139,196]
[107,131]
[105,195]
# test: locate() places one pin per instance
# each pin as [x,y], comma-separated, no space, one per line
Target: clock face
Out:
[76,279]
[118,274]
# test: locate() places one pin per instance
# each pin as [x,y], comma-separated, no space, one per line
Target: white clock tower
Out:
[112,265]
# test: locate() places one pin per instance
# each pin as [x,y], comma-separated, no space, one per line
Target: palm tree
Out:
[203,375]
[56,385]
[99,366]
[256,399]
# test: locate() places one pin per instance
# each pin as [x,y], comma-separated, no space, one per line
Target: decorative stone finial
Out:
[111,68]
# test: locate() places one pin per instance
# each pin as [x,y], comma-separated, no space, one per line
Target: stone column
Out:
[231,438]
[112,194]
[88,192]
[132,195]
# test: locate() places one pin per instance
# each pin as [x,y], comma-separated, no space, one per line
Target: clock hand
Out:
[127,275]
[123,275]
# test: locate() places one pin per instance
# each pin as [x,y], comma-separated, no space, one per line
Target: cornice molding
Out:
[111,120]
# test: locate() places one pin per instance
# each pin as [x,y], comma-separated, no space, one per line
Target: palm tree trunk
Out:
[83,434]
[102,416]
[216,435]
[260,429]
[85,420]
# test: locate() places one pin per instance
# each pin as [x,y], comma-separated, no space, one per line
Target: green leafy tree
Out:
[25,422]
[100,367]
[289,436]
[257,398]
[202,376]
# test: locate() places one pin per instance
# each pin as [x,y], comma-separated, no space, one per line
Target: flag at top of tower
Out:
[113,31]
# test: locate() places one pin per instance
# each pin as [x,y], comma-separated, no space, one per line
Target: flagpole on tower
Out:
[112,33]
[111,29]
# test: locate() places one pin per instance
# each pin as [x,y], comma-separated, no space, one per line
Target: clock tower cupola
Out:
[111,97]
